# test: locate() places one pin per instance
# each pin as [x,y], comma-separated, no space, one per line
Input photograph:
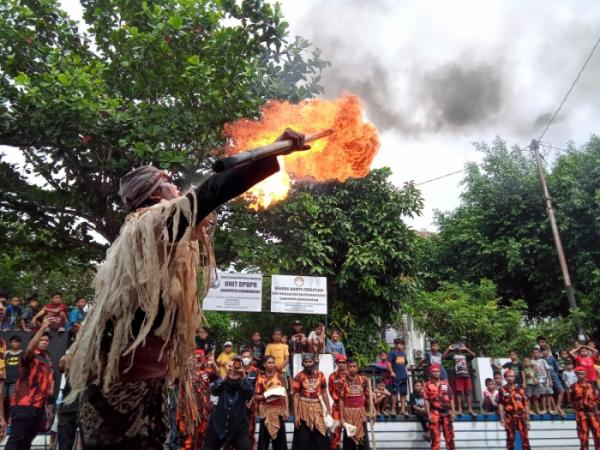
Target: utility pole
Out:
[535,148]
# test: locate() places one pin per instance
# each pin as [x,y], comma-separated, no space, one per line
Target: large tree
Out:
[149,81]
[501,231]
[353,233]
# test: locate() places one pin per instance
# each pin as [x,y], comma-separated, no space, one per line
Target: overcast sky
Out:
[436,76]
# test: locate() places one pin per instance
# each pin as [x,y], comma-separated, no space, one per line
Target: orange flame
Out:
[347,153]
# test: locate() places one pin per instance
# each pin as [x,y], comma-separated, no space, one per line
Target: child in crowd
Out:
[499,380]
[258,348]
[223,359]
[460,354]
[490,397]
[557,388]
[586,356]
[316,339]
[563,357]
[529,378]
[280,351]
[417,407]
[56,311]
[12,315]
[513,365]
[382,396]
[399,366]
[543,382]
[384,364]
[334,345]
[434,356]
[569,378]
[29,312]
[13,357]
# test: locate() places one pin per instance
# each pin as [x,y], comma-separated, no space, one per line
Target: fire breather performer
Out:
[586,401]
[311,405]
[514,411]
[356,395]
[140,332]
[440,409]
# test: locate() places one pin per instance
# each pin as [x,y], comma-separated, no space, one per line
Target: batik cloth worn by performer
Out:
[440,409]
[336,381]
[514,411]
[203,376]
[273,410]
[310,394]
[140,332]
[356,393]
[586,401]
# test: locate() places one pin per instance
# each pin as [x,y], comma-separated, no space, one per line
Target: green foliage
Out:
[350,232]
[149,82]
[501,232]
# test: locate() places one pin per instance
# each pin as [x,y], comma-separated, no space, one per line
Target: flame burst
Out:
[347,153]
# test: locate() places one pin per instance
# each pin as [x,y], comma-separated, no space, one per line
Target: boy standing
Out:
[585,399]
[14,354]
[514,411]
[543,381]
[434,356]
[223,359]
[440,409]
[258,348]
[461,355]
[356,394]
[557,387]
[569,378]
[397,358]
[12,315]
[280,351]
[56,311]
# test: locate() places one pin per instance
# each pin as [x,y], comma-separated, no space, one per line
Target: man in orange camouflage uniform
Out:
[356,395]
[309,388]
[440,409]
[585,399]
[204,374]
[513,409]
[336,380]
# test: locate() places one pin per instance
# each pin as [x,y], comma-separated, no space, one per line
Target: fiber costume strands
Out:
[150,268]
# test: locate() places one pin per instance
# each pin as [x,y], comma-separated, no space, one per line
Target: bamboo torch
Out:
[274,149]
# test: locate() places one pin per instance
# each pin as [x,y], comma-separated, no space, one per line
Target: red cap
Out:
[580,369]
[508,372]
[434,367]
[199,352]
[340,358]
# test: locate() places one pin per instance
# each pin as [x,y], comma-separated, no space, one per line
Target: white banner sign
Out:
[234,292]
[296,294]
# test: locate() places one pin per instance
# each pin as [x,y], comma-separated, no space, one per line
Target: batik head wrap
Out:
[138,184]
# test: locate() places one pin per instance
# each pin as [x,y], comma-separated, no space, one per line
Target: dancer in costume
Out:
[140,332]
[310,407]
[356,395]
[336,381]
[513,408]
[272,400]
[586,402]
[440,409]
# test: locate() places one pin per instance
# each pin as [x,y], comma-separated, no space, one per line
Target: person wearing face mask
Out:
[229,421]
[251,372]
[310,395]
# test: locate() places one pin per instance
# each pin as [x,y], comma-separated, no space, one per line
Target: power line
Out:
[440,177]
[570,89]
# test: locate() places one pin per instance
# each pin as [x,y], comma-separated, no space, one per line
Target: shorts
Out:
[541,389]
[529,390]
[557,386]
[462,384]
[400,386]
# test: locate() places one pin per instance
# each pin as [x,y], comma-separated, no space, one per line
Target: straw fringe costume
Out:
[272,425]
[140,331]
[311,434]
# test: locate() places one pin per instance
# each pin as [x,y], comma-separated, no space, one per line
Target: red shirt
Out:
[512,400]
[309,386]
[588,363]
[265,382]
[35,382]
[439,395]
